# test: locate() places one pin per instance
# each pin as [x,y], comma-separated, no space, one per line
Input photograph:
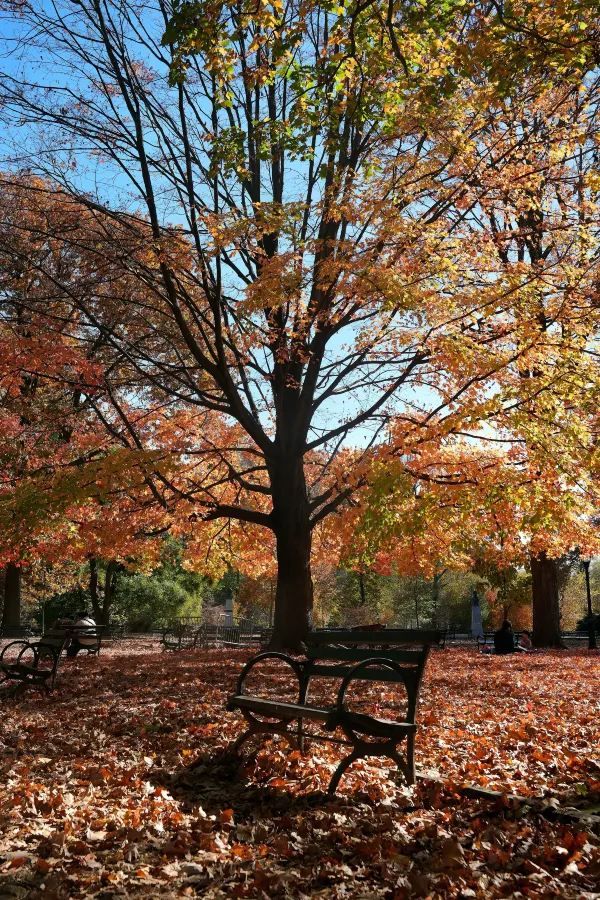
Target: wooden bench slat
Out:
[377,727]
[278,708]
[357,654]
[59,637]
[387,636]
[389,676]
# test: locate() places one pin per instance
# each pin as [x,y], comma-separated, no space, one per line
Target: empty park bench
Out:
[456,632]
[265,635]
[184,636]
[179,636]
[575,636]
[15,631]
[31,663]
[384,657]
[115,631]
[206,635]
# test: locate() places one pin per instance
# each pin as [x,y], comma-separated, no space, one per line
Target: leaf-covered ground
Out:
[99,796]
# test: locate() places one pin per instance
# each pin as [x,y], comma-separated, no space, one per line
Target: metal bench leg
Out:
[407,765]
[234,749]
[345,764]
[269,731]
[294,741]
[302,741]
[302,738]
[403,766]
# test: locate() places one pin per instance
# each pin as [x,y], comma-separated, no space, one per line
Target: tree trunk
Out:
[94,589]
[110,585]
[291,522]
[11,610]
[546,610]
[361,584]
[435,597]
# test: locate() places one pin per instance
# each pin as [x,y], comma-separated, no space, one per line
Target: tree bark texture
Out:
[102,603]
[546,608]
[11,609]
[291,524]
[110,586]
[94,587]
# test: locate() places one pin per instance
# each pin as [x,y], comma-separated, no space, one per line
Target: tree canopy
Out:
[266,259]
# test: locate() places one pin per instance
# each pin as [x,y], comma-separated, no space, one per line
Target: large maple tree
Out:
[288,189]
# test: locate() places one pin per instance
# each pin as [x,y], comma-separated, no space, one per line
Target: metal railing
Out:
[188,631]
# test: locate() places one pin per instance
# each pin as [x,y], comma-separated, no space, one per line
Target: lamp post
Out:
[591,630]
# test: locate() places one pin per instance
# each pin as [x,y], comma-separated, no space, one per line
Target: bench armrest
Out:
[354,673]
[14,644]
[45,648]
[269,654]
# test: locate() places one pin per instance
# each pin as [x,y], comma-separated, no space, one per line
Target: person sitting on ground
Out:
[81,640]
[504,639]
[525,644]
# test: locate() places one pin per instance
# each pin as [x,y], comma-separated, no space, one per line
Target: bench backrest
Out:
[56,638]
[333,654]
[88,631]
[59,636]
[15,631]
[489,638]
[47,655]
[228,634]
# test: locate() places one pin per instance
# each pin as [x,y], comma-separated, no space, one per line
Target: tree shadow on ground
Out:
[217,781]
[220,781]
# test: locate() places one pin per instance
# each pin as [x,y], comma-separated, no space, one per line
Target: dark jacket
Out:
[504,641]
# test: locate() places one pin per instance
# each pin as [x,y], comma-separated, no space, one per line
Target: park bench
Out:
[228,635]
[455,632]
[32,663]
[91,633]
[264,637]
[59,636]
[241,633]
[183,636]
[178,636]
[206,635]
[115,631]
[485,643]
[187,633]
[15,631]
[384,657]
[576,636]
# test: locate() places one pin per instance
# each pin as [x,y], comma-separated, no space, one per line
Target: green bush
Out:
[143,601]
[584,624]
[62,606]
